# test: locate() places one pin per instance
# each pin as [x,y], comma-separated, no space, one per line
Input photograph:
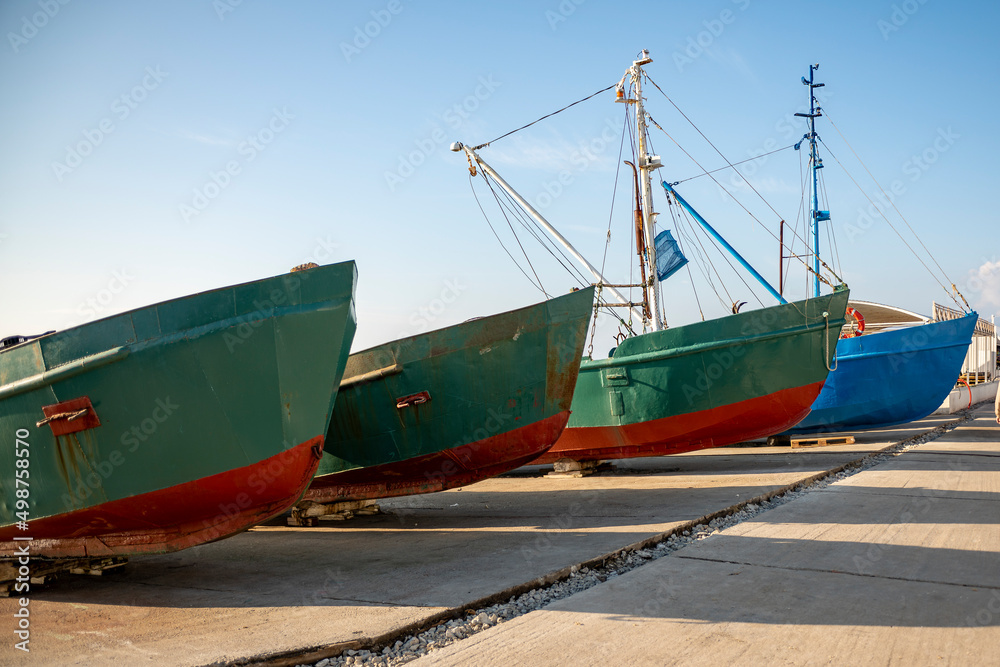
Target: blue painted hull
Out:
[891,377]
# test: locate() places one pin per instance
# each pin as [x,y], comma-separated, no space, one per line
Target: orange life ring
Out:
[859,318]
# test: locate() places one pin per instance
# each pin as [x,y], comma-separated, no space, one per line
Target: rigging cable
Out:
[902,217]
[540,237]
[704,262]
[537,286]
[602,90]
[523,251]
[893,228]
[694,289]
[740,204]
[749,159]
[713,147]
[706,172]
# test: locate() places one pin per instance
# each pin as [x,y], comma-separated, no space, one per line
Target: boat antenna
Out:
[816,216]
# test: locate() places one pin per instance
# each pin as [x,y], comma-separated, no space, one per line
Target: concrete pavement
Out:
[277,590]
[896,565]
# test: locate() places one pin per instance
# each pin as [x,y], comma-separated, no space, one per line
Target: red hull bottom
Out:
[175,518]
[447,469]
[737,422]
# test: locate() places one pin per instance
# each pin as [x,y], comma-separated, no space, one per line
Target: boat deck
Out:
[297,595]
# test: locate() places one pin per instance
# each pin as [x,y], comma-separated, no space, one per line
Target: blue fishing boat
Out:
[887,377]
[890,377]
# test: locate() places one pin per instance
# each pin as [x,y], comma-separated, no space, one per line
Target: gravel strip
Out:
[476,620]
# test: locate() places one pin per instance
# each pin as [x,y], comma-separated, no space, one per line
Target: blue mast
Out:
[817,215]
[725,244]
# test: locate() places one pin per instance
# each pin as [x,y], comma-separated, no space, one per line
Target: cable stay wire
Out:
[510,208]
[541,237]
[706,172]
[483,211]
[901,238]
[698,130]
[704,261]
[831,231]
[535,273]
[734,164]
[748,212]
[893,204]
[614,192]
[602,90]
[680,245]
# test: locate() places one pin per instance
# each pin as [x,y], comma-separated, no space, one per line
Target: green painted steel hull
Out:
[681,388]
[186,392]
[485,378]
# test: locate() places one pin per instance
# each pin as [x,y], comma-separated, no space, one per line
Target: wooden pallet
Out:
[823,442]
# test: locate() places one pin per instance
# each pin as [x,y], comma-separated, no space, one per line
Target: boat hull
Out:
[207,415]
[890,377]
[498,394]
[703,385]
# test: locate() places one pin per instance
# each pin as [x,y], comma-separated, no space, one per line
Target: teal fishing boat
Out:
[451,407]
[707,384]
[171,425]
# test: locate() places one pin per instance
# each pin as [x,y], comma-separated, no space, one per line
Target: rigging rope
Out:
[602,90]
[763,226]
[749,159]
[498,237]
[540,286]
[808,268]
[893,204]
[713,147]
[539,235]
[893,228]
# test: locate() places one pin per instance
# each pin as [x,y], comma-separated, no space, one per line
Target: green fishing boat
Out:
[171,425]
[707,384]
[451,407]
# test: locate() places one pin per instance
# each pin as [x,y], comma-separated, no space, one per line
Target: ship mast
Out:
[817,216]
[647,163]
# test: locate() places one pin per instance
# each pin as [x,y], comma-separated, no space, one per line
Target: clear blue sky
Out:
[156,149]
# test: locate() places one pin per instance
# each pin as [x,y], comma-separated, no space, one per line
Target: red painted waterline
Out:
[717,427]
[178,517]
[447,469]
